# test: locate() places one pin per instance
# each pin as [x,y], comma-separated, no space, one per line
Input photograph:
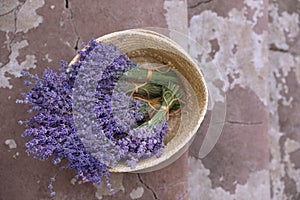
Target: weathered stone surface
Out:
[37,34]
[223,7]
[241,149]
[167,183]
[93,19]
[4,49]
[284,58]
[232,48]
[234,41]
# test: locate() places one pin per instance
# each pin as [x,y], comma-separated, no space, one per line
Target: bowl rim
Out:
[147,166]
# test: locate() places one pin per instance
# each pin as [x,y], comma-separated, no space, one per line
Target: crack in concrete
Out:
[67,6]
[273,48]
[200,3]
[12,10]
[76,44]
[243,123]
[148,187]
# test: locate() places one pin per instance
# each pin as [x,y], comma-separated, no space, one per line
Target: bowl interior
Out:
[147,46]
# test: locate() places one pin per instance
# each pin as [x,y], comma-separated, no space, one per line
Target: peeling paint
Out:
[11,143]
[248,61]
[258,7]
[200,186]
[16,155]
[280,25]
[177,24]
[276,167]
[283,28]
[148,187]
[281,165]
[240,58]
[27,18]
[282,64]
[294,174]
[137,193]
[8,6]
[14,67]
[291,145]
[47,58]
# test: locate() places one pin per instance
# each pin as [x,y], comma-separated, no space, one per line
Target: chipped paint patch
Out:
[289,147]
[283,25]
[277,170]
[116,180]
[47,58]
[281,165]
[282,64]
[137,193]
[280,25]
[11,143]
[200,186]
[14,67]
[73,181]
[177,24]
[258,7]
[27,18]
[283,28]
[244,59]
[16,155]
[8,6]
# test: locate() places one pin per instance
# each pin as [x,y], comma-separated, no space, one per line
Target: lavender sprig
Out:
[83,115]
[52,130]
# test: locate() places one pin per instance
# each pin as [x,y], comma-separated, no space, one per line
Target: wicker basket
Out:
[140,44]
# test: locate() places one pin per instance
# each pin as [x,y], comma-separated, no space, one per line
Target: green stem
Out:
[147,90]
[158,77]
[170,95]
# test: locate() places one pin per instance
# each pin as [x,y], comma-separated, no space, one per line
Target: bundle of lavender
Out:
[99,111]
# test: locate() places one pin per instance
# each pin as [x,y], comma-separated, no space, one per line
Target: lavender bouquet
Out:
[99,111]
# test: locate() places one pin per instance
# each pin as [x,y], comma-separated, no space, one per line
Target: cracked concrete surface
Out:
[232,50]
[71,19]
[284,129]
[250,64]
[116,182]
[257,186]
[27,18]
[18,17]
[147,186]
[243,123]
[35,34]
[7,7]
[281,47]
[199,3]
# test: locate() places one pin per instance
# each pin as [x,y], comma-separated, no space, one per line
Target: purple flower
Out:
[82,115]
